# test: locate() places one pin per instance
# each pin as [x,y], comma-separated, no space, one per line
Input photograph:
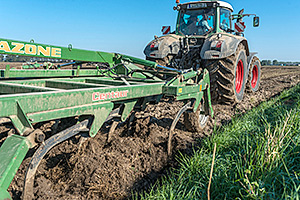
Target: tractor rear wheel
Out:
[228,77]
[254,75]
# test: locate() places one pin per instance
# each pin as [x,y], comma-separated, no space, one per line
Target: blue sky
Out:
[127,26]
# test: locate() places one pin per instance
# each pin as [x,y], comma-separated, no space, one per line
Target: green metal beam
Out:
[144,80]
[4,195]
[20,120]
[14,88]
[123,64]
[138,61]
[30,82]
[64,113]
[108,81]
[100,111]
[47,101]
[93,94]
[25,73]
[15,47]
[70,84]
[12,153]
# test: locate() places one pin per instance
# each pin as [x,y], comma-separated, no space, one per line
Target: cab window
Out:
[196,22]
[225,21]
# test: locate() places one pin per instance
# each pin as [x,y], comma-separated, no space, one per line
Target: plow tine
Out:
[43,150]
[112,130]
[180,112]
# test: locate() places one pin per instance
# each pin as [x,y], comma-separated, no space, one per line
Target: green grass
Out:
[257,157]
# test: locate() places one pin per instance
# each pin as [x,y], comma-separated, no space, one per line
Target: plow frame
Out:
[31,96]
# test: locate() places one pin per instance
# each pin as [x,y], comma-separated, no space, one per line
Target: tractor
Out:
[205,37]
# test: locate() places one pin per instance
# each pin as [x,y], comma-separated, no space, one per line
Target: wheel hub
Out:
[254,76]
[239,76]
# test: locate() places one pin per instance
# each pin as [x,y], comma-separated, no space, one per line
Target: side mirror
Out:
[256,21]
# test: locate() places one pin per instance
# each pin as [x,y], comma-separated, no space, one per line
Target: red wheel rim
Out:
[239,76]
[254,76]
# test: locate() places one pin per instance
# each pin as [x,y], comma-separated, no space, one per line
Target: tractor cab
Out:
[206,39]
[204,31]
[203,17]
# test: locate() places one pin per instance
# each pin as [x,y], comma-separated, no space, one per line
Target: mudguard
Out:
[163,46]
[250,58]
[229,46]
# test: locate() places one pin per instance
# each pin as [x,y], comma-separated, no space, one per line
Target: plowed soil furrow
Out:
[136,155]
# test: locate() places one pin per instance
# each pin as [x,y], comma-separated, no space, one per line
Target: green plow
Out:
[117,85]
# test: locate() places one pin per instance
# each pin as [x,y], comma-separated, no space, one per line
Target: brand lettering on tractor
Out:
[29,49]
[97,96]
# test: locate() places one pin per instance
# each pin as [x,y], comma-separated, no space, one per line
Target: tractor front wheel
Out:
[254,75]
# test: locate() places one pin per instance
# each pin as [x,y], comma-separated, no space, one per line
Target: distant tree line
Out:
[279,63]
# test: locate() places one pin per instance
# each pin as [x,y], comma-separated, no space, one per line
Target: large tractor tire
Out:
[254,75]
[228,77]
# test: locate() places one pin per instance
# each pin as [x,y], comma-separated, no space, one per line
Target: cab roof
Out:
[221,4]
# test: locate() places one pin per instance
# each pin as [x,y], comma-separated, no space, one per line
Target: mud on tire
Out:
[228,77]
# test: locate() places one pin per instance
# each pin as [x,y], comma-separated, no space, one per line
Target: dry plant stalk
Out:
[211,172]
[251,191]
[275,141]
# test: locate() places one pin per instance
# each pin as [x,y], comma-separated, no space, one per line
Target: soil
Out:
[136,155]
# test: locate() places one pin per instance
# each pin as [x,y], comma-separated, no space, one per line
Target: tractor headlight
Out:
[216,45]
[154,46]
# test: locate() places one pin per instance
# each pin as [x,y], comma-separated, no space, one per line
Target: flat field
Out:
[136,157]
[255,156]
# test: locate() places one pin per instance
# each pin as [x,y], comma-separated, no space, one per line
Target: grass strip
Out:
[257,157]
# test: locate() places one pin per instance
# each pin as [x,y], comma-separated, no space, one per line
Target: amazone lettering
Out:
[18,47]
[56,52]
[45,52]
[4,46]
[29,49]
